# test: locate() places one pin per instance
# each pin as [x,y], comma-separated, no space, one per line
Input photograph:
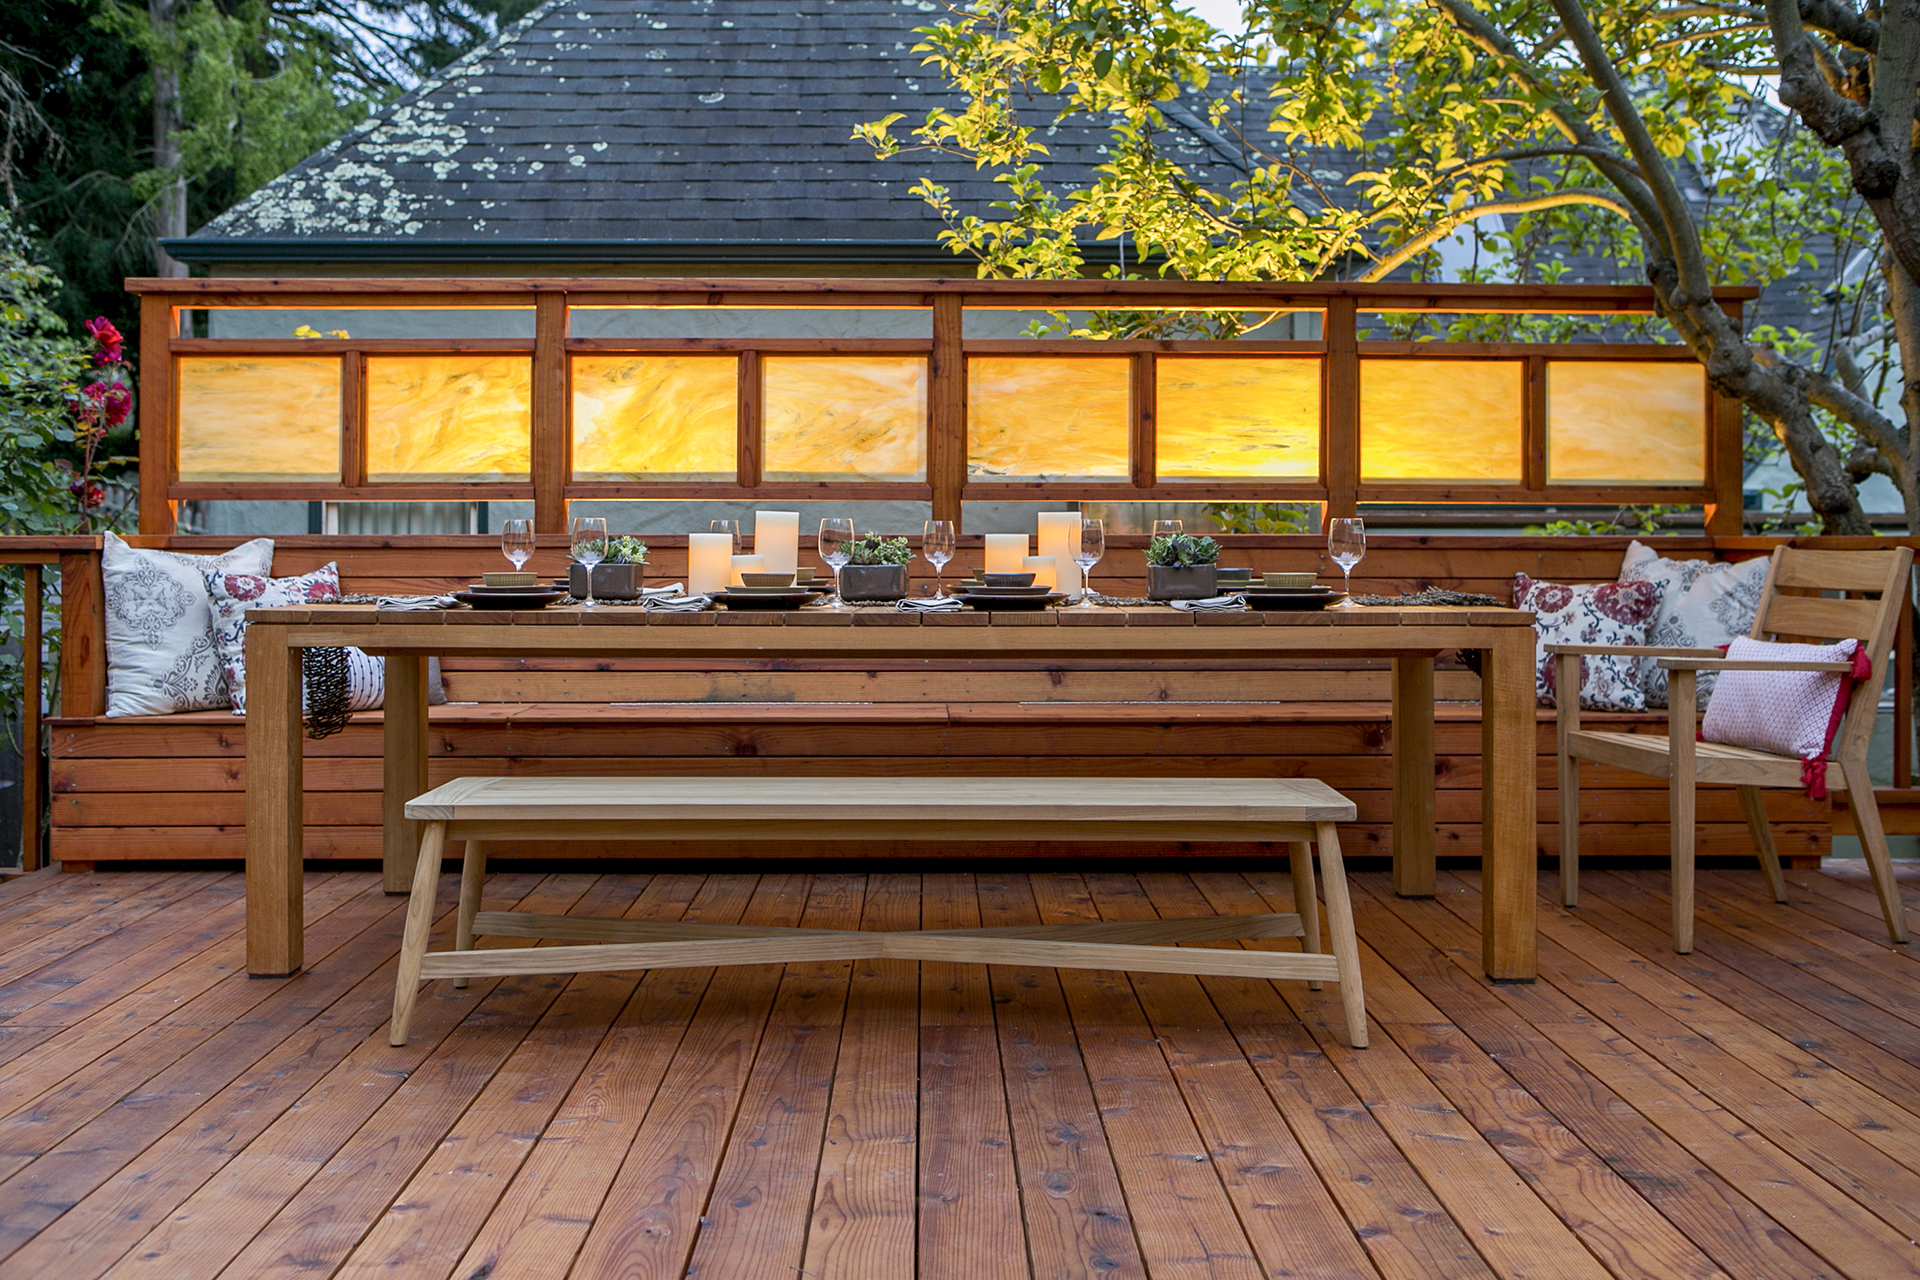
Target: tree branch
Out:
[1840,21]
[1532,204]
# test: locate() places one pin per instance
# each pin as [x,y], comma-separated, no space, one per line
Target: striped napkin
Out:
[677,604]
[1213,604]
[927,604]
[407,603]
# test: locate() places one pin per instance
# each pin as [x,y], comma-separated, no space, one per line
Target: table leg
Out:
[1507,835]
[274,785]
[404,748]
[1413,801]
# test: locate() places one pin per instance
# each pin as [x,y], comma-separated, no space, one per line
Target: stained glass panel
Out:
[1236,417]
[269,419]
[1632,422]
[657,417]
[449,418]
[1047,417]
[844,417]
[1441,420]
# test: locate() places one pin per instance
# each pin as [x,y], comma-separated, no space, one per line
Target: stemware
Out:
[1092,545]
[936,546]
[835,535]
[731,527]
[1161,528]
[516,542]
[1347,545]
[589,547]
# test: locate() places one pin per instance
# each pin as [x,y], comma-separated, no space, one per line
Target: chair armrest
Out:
[1631,651]
[1745,664]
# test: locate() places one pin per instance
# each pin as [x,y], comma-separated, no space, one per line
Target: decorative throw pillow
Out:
[1607,613]
[1790,713]
[1703,605]
[233,594]
[160,655]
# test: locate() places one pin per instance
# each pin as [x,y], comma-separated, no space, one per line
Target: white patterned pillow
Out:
[1603,613]
[160,655]
[1704,604]
[1790,713]
[233,594]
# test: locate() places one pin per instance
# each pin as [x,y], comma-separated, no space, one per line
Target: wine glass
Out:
[1092,545]
[936,546]
[835,534]
[728,527]
[1347,544]
[1161,528]
[589,547]
[516,542]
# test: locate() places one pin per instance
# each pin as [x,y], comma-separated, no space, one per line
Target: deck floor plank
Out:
[1749,1110]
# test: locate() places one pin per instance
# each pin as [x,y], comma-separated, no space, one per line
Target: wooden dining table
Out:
[1411,636]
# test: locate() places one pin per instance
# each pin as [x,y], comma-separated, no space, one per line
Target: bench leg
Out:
[1346,948]
[413,942]
[1305,901]
[473,873]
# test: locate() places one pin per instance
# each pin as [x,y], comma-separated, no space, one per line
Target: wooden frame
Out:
[946,487]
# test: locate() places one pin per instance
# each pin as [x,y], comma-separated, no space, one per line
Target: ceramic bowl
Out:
[1007,579]
[767,579]
[1288,581]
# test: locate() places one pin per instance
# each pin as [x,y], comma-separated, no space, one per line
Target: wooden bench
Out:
[1300,812]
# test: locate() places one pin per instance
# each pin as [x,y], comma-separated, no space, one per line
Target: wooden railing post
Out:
[157,511]
[83,635]
[1341,443]
[31,783]
[1726,446]
[947,409]
[552,449]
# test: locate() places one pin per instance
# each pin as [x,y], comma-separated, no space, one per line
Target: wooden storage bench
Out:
[1299,812]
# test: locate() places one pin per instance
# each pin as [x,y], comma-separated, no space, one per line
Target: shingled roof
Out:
[637,130]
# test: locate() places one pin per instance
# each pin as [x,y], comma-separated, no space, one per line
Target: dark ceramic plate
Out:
[785,600]
[1008,591]
[1271,600]
[985,600]
[525,598]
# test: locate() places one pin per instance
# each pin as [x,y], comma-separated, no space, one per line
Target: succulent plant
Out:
[1182,550]
[625,550]
[874,549]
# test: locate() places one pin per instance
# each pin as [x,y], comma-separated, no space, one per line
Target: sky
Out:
[1223,14]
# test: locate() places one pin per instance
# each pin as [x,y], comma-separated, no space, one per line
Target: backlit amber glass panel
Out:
[844,417]
[1633,422]
[1047,417]
[1441,420]
[660,417]
[448,418]
[1228,417]
[269,419]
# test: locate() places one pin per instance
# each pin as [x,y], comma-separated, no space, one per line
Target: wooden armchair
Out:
[1685,763]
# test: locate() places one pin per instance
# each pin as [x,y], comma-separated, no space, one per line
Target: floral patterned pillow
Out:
[1606,613]
[160,654]
[233,594]
[1704,604]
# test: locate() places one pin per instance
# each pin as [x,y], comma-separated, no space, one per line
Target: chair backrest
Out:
[1875,587]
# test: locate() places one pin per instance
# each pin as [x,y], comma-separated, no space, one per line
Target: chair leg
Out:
[1680,803]
[1346,948]
[1754,806]
[1569,831]
[1305,900]
[413,941]
[1873,838]
[473,874]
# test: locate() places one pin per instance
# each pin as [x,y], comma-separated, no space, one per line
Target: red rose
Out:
[107,339]
[117,405]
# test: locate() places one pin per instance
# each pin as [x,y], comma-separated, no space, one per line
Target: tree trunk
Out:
[170,204]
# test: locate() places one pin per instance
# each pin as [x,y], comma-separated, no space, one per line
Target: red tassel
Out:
[1862,664]
[1813,776]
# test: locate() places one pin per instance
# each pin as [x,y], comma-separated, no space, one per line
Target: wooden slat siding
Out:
[1076,1215]
[649,1222]
[758,1209]
[1827,1219]
[863,1222]
[544,1215]
[435,1217]
[1180,1210]
[1290,1219]
[353,1175]
[968,1186]
[1730,1228]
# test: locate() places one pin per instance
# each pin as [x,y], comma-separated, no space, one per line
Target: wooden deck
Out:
[1749,1111]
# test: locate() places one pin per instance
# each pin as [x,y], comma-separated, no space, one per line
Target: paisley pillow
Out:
[233,594]
[1604,613]
[160,654]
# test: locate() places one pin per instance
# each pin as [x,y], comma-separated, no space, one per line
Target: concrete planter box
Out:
[873,582]
[1181,582]
[610,581]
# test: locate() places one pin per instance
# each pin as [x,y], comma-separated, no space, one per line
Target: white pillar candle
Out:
[746,564]
[1060,538]
[776,539]
[1043,570]
[709,566]
[1004,551]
